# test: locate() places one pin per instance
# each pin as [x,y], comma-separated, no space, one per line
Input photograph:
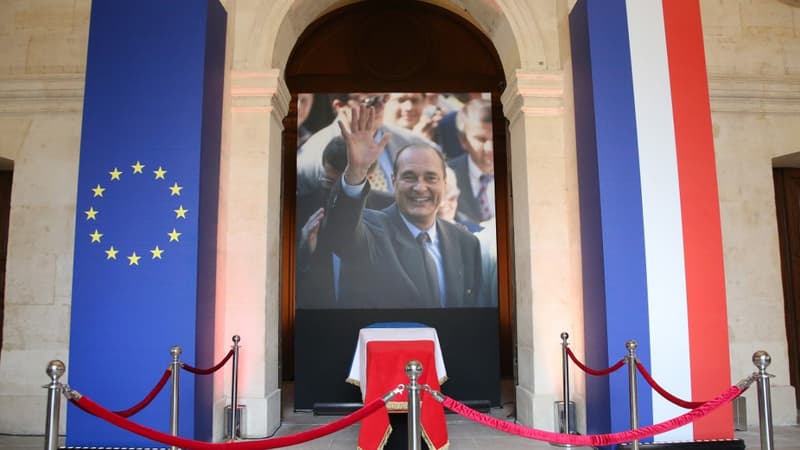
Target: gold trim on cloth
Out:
[429,443]
[383,441]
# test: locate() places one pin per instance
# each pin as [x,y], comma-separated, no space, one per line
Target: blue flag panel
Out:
[145,234]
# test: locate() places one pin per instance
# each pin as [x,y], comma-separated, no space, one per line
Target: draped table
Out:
[379,365]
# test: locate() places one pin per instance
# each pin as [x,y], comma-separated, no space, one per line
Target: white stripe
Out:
[661,208]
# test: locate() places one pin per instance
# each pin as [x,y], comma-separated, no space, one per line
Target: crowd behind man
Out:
[416,131]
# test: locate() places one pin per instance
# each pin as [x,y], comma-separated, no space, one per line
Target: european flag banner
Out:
[145,234]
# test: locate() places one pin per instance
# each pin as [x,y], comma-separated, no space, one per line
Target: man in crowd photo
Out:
[405,257]
[475,168]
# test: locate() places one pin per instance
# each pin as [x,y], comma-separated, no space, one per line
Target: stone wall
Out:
[42,64]
[753,58]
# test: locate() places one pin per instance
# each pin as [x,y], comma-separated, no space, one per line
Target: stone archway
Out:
[543,181]
[408,47]
[411,51]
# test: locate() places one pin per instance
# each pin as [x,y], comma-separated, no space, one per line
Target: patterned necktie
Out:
[483,197]
[377,180]
[430,267]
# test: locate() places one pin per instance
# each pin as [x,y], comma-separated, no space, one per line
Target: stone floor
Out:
[464,434]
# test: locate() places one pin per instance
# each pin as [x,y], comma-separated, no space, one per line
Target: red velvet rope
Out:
[675,400]
[595,372]
[596,440]
[142,404]
[93,408]
[197,371]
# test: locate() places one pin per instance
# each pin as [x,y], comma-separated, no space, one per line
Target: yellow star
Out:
[180,213]
[175,189]
[159,173]
[111,253]
[137,168]
[98,191]
[156,252]
[91,214]
[173,236]
[96,236]
[133,260]
[115,174]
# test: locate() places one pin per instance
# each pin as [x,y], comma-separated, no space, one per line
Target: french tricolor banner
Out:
[651,237]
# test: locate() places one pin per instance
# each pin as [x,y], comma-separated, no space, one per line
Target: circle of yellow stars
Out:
[116,175]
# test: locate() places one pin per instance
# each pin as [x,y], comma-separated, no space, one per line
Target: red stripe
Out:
[705,278]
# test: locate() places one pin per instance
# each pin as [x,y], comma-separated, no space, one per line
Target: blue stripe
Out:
[618,198]
[598,419]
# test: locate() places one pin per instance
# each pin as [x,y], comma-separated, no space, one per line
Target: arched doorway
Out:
[416,47]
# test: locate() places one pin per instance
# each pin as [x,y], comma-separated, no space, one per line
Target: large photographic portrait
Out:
[396,212]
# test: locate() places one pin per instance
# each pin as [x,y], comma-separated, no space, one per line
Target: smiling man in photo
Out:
[406,257]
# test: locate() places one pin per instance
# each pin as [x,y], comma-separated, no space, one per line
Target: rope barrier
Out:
[89,406]
[671,398]
[595,372]
[148,399]
[597,440]
[208,371]
[698,410]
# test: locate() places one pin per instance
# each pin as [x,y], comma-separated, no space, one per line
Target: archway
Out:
[412,50]
[527,36]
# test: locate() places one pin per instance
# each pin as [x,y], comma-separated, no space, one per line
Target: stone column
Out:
[249,242]
[543,175]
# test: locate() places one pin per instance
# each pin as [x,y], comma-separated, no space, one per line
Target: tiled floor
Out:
[464,434]
[467,435]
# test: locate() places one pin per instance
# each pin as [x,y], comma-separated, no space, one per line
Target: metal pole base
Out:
[239,420]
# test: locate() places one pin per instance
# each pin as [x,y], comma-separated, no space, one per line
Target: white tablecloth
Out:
[358,375]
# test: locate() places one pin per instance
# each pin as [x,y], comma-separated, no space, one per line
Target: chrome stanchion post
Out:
[762,360]
[413,371]
[633,392]
[235,389]
[55,369]
[175,366]
[565,381]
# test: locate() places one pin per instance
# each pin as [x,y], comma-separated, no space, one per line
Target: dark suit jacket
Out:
[314,276]
[468,206]
[387,262]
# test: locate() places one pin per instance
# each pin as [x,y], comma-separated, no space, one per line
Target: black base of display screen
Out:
[325,341]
